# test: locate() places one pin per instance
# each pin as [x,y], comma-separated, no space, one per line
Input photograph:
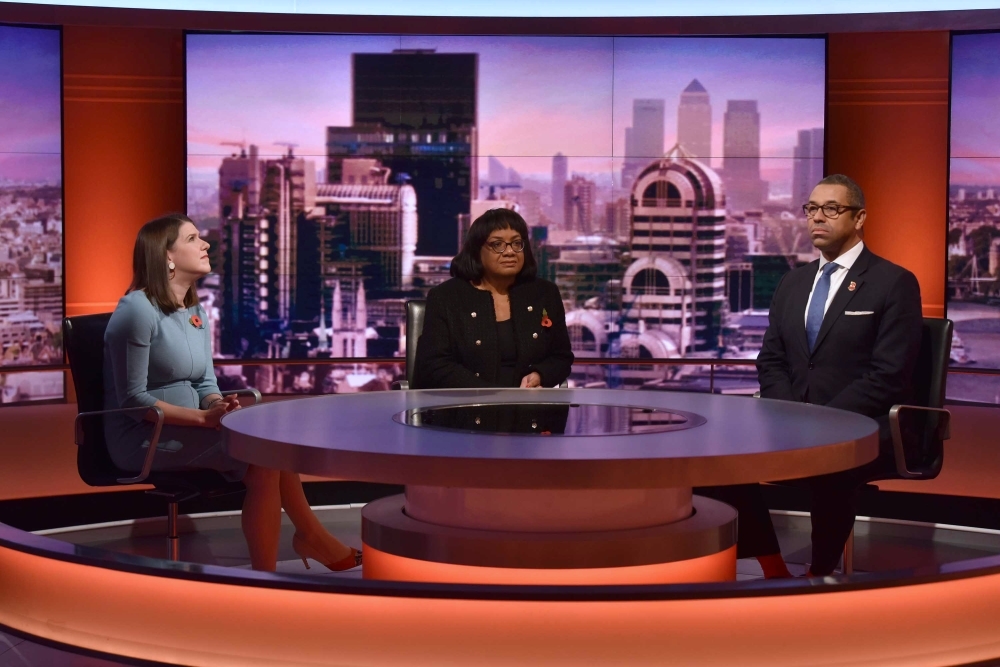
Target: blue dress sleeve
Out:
[127,340]
[208,384]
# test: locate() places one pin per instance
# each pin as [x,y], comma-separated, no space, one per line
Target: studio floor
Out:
[215,539]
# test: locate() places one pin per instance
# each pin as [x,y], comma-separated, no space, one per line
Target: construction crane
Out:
[241,144]
[287,144]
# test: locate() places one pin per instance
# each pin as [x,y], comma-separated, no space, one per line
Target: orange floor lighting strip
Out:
[209,624]
[385,566]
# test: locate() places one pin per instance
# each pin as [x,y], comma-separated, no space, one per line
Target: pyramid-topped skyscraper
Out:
[694,122]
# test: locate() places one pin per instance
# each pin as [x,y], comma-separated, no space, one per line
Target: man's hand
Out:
[531,381]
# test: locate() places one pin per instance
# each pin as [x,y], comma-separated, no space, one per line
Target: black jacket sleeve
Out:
[897,346]
[773,372]
[558,363]
[438,363]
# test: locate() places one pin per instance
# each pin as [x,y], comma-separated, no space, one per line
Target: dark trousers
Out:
[755,532]
[834,506]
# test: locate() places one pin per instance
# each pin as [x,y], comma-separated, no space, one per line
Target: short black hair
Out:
[855,196]
[467,265]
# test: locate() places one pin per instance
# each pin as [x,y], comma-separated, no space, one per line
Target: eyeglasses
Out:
[500,247]
[831,211]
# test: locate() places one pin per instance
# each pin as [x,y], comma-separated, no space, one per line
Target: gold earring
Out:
[170,265]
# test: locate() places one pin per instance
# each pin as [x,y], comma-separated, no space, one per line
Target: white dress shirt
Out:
[845,261]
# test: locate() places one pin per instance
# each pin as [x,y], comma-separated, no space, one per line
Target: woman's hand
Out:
[232,402]
[531,380]
[213,413]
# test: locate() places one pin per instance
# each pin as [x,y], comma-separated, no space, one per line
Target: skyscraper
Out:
[676,281]
[644,140]
[416,110]
[560,172]
[578,203]
[496,172]
[807,168]
[288,191]
[741,156]
[694,122]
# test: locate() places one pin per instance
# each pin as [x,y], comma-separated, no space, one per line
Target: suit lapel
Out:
[844,295]
[800,297]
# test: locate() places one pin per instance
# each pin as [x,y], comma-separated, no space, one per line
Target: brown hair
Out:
[149,262]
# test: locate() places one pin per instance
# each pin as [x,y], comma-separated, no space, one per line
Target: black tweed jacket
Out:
[459,349]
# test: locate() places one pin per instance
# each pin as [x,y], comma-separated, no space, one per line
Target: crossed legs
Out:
[268,491]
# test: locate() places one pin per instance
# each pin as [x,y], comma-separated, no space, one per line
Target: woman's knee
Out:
[258,477]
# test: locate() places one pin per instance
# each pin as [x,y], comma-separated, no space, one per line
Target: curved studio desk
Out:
[113,604]
[554,486]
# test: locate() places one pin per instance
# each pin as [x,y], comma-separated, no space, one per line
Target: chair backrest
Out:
[83,340]
[923,446]
[414,327]
[931,377]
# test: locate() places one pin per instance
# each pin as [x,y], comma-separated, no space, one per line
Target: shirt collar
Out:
[847,259]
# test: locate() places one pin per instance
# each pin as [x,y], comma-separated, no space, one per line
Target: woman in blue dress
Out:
[157,352]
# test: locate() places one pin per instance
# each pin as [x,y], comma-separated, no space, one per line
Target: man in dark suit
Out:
[844,332]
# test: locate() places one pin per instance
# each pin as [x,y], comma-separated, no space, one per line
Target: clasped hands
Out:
[531,381]
[218,408]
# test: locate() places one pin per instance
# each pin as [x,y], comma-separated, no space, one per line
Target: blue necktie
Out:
[817,307]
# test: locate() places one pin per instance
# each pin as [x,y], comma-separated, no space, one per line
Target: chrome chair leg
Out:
[849,554]
[173,539]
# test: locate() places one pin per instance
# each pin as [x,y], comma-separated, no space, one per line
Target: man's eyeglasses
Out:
[830,211]
[500,247]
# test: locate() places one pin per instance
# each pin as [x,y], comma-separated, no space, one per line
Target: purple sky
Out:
[537,95]
[30,125]
[975,109]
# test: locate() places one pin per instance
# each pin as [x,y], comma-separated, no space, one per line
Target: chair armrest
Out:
[563,385]
[249,391]
[154,440]
[943,432]
[756,394]
[400,385]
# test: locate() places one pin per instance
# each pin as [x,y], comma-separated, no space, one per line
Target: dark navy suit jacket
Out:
[867,347]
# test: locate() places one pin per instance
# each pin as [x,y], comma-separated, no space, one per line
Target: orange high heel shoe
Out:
[306,550]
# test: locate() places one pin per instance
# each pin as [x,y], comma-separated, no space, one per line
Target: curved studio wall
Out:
[126,128]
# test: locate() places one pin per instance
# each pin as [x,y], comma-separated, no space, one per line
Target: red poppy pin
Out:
[853,286]
[196,322]
[546,322]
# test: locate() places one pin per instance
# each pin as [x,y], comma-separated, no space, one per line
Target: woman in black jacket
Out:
[494,324]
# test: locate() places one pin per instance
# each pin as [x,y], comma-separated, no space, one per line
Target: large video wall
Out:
[662,179]
[974,215]
[31,243]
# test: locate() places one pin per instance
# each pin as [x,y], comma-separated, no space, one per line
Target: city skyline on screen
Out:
[974,214]
[31,252]
[336,175]
[538,96]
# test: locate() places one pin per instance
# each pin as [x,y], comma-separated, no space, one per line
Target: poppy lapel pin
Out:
[546,322]
[196,322]
[853,286]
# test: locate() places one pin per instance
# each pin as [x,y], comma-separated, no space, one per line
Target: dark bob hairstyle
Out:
[467,264]
[149,262]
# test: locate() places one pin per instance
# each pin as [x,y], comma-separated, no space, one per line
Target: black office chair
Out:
[918,447]
[83,337]
[415,309]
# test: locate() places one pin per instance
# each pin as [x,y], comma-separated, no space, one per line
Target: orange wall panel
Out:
[124,144]
[887,127]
